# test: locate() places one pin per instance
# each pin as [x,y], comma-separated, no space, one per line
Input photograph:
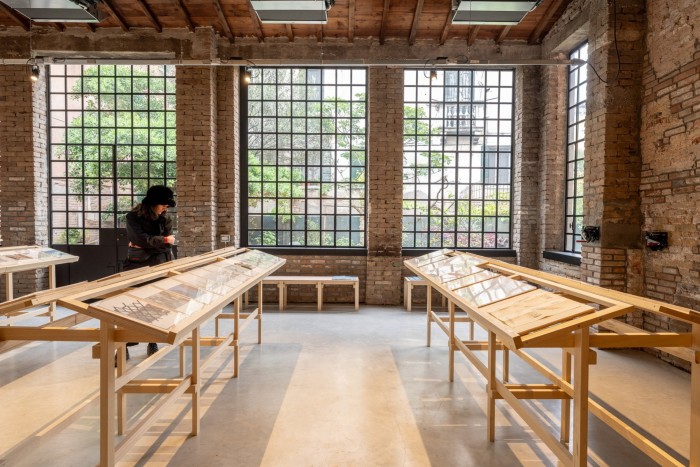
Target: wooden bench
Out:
[408,284]
[320,281]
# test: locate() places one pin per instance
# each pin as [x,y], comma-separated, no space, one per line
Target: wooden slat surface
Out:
[535,310]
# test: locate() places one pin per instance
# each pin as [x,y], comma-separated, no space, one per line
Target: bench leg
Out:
[409,289]
[357,296]
[281,289]
[319,304]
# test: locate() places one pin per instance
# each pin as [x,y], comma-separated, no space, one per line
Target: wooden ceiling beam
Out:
[290,32]
[472,35]
[446,28]
[223,20]
[351,21]
[58,27]
[319,33]
[502,35]
[18,18]
[185,15]
[256,23]
[416,19]
[90,26]
[385,15]
[536,35]
[110,9]
[151,17]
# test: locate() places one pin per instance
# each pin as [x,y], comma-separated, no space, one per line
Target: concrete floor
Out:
[328,389]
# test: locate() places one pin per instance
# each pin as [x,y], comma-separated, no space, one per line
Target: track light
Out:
[35,72]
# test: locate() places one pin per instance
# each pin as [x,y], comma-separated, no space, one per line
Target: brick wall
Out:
[23,168]
[526,165]
[196,159]
[384,184]
[670,148]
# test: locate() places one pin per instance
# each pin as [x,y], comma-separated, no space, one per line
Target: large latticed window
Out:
[306,143]
[458,138]
[575,142]
[112,135]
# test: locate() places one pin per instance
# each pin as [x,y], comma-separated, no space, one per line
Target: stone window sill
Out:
[563,257]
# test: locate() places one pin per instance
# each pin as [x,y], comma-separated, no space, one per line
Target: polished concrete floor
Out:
[339,388]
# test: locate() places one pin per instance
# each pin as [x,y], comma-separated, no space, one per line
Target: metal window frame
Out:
[67,73]
[246,132]
[469,152]
[571,236]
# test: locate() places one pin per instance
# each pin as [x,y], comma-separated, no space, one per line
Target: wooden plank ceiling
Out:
[410,21]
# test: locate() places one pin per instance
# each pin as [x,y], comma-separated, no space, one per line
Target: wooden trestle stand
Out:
[521,308]
[179,297]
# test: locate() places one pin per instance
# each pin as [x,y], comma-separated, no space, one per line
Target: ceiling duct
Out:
[300,11]
[61,11]
[491,12]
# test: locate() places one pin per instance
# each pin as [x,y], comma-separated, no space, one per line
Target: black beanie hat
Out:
[159,194]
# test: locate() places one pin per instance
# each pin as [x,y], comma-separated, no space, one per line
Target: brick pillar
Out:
[23,168]
[552,158]
[228,191]
[196,159]
[526,165]
[612,160]
[384,184]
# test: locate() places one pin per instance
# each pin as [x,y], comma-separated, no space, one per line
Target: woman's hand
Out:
[169,239]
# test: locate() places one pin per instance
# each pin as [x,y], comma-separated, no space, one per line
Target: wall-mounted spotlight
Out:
[34,72]
[433,76]
[247,75]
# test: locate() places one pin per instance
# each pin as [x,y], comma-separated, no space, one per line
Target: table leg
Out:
[9,291]
[491,389]
[106,394]
[409,292]
[282,289]
[581,356]
[260,310]
[428,298]
[236,316]
[695,399]
[451,343]
[195,380]
[52,285]
[565,403]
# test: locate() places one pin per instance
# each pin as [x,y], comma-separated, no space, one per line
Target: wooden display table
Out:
[319,281]
[168,304]
[28,258]
[520,308]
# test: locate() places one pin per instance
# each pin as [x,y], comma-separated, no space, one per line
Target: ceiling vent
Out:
[300,12]
[60,11]
[491,12]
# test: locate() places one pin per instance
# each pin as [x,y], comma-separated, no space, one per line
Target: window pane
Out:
[101,114]
[575,150]
[309,182]
[457,181]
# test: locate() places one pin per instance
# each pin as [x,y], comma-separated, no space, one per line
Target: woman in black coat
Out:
[149,230]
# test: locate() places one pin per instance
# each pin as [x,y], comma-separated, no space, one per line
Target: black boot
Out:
[151,349]
[116,354]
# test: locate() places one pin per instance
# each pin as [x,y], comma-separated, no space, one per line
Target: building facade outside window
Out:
[304,170]
[112,135]
[575,143]
[458,140]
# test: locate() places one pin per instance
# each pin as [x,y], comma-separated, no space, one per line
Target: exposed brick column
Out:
[612,160]
[23,168]
[553,158]
[196,159]
[228,135]
[526,165]
[384,183]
